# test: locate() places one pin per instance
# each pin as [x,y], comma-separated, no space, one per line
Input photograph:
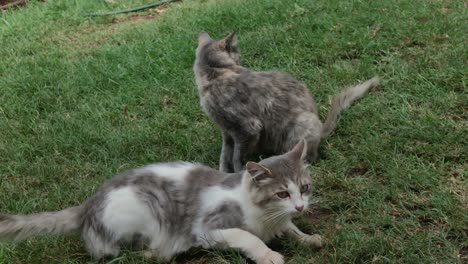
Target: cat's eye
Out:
[305,188]
[283,195]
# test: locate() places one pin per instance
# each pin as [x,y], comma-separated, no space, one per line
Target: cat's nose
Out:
[300,208]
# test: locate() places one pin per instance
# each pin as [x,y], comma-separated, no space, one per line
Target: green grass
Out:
[84,98]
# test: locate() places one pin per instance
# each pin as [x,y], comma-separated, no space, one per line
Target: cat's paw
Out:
[153,255]
[149,254]
[313,240]
[271,257]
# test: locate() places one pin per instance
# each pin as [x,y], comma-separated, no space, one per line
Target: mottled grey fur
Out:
[4,218]
[173,204]
[227,215]
[260,112]
[174,208]
[22,226]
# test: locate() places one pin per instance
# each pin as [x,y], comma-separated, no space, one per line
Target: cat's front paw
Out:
[313,240]
[271,257]
[153,255]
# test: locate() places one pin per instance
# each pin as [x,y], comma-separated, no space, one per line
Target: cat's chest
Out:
[209,106]
[261,229]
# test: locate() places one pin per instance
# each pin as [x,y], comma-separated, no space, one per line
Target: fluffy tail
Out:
[19,227]
[343,101]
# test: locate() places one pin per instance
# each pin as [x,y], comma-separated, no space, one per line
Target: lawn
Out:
[82,98]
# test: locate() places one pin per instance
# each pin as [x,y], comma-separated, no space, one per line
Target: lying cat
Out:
[260,112]
[171,207]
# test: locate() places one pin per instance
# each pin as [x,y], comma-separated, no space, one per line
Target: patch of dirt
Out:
[6,4]
[83,38]
[92,36]
[3,2]
[379,175]
[359,170]
[375,30]
[457,235]
[127,114]
[428,223]
[167,102]
[463,254]
[351,55]
[160,9]
[142,16]
[441,38]
[417,202]
[317,214]
[396,212]
[125,110]
[457,184]
[459,112]
[134,18]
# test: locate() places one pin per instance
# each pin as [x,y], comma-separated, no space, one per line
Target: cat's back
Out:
[179,176]
[247,79]
[276,79]
[125,185]
[161,198]
[257,90]
[150,174]
[281,84]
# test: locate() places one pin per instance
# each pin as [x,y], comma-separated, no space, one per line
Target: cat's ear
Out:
[203,38]
[229,42]
[258,172]
[299,152]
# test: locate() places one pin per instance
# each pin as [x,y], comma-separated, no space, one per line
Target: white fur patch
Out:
[214,196]
[295,194]
[126,215]
[176,171]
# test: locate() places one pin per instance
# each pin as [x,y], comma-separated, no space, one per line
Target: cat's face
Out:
[218,53]
[281,185]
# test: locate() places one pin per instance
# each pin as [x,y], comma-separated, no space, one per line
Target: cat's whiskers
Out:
[273,217]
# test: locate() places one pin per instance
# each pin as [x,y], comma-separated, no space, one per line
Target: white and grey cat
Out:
[260,112]
[171,207]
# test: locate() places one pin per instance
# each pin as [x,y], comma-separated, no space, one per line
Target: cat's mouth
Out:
[296,214]
[298,210]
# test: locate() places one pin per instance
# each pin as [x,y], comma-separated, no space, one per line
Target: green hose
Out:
[134,9]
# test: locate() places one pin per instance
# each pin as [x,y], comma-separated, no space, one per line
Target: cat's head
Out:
[218,53]
[281,183]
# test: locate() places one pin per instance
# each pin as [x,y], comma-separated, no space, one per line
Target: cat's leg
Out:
[313,240]
[313,150]
[243,145]
[252,246]
[154,251]
[154,254]
[225,161]
[98,245]
[307,126]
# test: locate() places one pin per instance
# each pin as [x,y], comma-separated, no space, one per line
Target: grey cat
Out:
[171,207]
[260,112]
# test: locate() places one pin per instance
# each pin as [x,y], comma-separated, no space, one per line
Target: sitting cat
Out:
[171,207]
[260,112]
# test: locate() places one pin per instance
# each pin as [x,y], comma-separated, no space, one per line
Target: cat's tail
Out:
[343,101]
[19,227]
